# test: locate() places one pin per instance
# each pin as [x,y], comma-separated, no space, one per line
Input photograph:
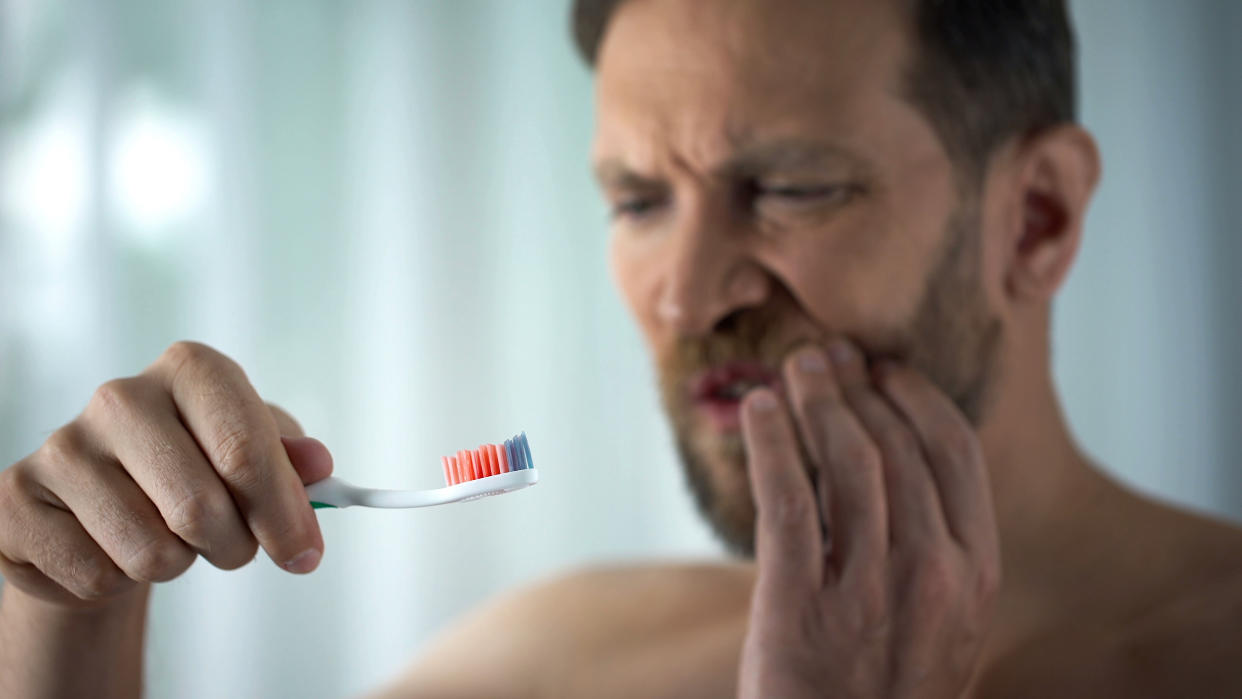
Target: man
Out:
[840,225]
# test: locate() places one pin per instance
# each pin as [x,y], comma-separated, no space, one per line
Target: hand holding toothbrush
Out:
[181,461]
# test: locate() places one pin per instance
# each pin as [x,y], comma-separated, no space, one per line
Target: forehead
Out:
[709,75]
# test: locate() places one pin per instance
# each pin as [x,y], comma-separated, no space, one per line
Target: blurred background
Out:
[383,210]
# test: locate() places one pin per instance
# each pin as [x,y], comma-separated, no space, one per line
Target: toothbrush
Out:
[491,469]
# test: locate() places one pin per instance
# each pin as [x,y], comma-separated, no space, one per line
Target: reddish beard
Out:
[952,338]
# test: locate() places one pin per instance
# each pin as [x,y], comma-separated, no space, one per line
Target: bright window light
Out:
[45,178]
[157,166]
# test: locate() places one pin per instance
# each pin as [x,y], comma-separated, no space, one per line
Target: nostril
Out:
[728,324]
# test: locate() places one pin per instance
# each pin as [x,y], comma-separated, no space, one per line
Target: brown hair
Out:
[986,70]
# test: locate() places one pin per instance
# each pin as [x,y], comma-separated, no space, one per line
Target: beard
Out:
[952,338]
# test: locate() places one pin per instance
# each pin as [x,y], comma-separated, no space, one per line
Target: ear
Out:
[1056,173]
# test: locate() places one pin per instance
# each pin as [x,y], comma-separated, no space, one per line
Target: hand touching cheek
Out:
[878,560]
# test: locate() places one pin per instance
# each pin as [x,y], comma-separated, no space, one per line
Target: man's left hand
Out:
[878,560]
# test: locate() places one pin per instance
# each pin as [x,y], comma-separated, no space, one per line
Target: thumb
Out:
[310,458]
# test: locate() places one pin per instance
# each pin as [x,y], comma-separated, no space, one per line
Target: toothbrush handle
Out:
[331,492]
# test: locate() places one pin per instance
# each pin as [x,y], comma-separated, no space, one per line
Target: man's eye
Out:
[803,193]
[634,207]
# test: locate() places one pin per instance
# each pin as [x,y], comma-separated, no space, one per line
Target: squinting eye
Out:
[634,208]
[803,193]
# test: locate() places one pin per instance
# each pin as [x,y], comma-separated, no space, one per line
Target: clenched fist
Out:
[878,560]
[184,460]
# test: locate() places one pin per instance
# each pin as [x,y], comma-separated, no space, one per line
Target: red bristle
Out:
[455,467]
[468,461]
[482,459]
[488,456]
[448,480]
[476,461]
[493,460]
[463,460]
[504,457]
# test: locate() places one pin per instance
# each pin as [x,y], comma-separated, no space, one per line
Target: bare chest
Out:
[697,663]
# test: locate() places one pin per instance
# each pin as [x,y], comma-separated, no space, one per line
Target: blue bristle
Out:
[521,453]
[530,461]
[513,464]
[517,451]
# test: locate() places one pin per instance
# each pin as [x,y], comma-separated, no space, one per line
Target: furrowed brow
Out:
[786,155]
[613,174]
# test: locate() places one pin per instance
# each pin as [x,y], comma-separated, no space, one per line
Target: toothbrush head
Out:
[488,460]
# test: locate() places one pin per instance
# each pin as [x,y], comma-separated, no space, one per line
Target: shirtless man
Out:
[840,225]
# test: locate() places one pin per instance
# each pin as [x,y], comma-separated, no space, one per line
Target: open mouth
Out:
[718,392]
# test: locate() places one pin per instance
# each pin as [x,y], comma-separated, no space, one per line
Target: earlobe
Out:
[1057,175]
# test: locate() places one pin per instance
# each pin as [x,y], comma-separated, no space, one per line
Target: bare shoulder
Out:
[533,636]
[1180,641]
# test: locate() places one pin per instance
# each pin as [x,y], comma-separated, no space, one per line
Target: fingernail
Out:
[841,351]
[763,401]
[811,361]
[304,562]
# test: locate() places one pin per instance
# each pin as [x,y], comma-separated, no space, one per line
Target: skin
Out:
[971,554]
[184,460]
[980,557]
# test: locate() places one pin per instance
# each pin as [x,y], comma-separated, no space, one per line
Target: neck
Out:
[1045,491]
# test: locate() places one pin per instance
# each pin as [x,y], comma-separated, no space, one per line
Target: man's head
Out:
[903,173]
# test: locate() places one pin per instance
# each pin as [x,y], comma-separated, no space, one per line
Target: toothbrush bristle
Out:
[488,460]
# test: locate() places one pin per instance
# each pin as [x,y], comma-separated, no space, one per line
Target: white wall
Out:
[396,234]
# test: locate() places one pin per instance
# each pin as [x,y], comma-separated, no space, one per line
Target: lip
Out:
[724,412]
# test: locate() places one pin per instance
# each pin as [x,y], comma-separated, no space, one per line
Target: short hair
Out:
[983,72]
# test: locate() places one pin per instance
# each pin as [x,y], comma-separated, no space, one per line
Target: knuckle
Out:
[158,560]
[238,555]
[117,397]
[987,581]
[66,445]
[787,510]
[185,352]
[862,454]
[935,582]
[194,517]
[871,618]
[97,579]
[13,487]
[956,444]
[239,456]
[899,441]
[197,359]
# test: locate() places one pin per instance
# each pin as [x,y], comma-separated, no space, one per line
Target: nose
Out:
[709,274]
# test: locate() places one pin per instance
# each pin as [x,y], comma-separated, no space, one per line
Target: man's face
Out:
[771,186]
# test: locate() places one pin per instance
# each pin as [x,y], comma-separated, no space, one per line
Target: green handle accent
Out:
[321,505]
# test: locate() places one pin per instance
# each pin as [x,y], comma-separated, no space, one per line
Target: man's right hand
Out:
[182,460]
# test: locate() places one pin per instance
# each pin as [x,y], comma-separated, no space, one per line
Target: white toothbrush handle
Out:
[334,492]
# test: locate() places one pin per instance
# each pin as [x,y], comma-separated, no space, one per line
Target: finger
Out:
[310,458]
[789,546]
[44,544]
[115,512]
[240,437]
[138,422]
[288,426]
[850,475]
[953,452]
[914,514]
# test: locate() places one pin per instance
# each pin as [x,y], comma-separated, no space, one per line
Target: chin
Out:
[715,468]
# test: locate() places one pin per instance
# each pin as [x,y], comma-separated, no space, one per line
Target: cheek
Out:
[849,285]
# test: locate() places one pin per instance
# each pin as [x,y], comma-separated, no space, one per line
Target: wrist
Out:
[19,608]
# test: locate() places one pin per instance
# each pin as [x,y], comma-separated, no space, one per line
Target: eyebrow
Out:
[613,172]
[786,154]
